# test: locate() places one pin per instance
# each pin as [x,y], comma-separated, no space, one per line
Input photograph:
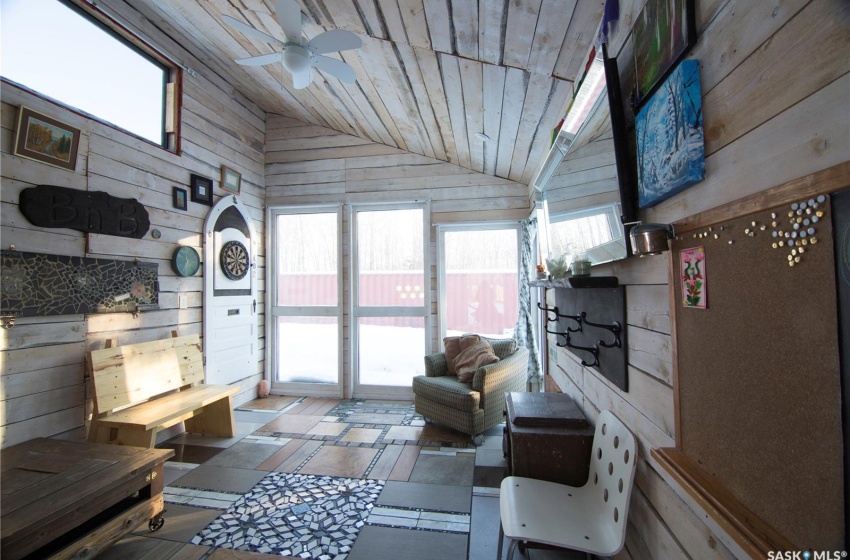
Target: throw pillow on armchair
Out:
[473,355]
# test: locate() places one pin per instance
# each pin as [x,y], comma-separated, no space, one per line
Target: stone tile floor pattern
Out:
[346,466]
[295,515]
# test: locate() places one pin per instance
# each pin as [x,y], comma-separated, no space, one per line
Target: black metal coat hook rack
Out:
[590,309]
[558,314]
[614,328]
[553,311]
[594,350]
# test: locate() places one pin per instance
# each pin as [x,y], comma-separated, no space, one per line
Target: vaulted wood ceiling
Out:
[430,75]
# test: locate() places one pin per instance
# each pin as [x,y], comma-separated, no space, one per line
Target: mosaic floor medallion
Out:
[300,515]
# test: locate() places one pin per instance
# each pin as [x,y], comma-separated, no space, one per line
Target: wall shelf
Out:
[578,282]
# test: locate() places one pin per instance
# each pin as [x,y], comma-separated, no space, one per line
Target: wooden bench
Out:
[142,389]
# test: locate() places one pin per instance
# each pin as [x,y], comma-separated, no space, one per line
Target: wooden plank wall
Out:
[309,164]
[43,388]
[776,107]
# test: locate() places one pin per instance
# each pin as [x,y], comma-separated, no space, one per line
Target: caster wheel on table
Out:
[156,522]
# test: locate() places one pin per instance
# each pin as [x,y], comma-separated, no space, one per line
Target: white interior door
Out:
[391,298]
[230,293]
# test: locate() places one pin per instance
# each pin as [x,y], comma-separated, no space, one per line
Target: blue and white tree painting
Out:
[670,141]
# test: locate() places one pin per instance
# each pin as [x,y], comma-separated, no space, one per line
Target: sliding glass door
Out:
[391,298]
[305,346]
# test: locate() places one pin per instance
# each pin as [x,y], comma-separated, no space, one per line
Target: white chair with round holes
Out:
[589,518]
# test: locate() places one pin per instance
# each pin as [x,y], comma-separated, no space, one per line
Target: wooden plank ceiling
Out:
[431,73]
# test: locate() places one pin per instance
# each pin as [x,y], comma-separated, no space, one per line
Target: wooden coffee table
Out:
[74,499]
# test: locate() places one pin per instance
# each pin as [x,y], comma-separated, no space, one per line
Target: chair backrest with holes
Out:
[612,472]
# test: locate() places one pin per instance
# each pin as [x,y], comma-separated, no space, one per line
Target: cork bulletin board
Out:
[758,370]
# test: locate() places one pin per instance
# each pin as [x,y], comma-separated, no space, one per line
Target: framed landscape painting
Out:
[231,181]
[670,139]
[47,140]
[664,32]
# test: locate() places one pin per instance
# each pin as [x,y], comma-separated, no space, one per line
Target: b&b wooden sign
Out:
[90,212]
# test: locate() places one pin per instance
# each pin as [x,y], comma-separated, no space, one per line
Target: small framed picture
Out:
[231,181]
[47,140]
[201,189]
[180,201]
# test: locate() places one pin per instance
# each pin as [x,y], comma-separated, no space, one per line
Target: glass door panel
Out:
[391,350]
[306,350]
[481,287]
[390,258]
[391,298]
[308,259]
[306,309]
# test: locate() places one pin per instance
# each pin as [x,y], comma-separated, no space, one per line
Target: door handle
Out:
[255,306]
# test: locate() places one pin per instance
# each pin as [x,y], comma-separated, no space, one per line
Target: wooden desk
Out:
[68,499]
[547,437]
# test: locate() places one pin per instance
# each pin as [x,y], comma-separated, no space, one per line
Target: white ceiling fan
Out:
[297,55]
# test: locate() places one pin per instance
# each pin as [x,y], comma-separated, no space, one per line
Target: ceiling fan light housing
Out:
[296,58]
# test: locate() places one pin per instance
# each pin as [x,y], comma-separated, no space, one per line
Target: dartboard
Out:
[234,260]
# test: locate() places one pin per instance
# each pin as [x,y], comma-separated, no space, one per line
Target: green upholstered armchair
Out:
[472,407]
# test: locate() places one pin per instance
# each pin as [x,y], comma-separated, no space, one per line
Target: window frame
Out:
[172,83]
[356,311]
[612,210]
[274,310]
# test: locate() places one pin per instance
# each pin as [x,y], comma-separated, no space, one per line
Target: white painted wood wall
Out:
[776,104]
[43,388]
[309,164]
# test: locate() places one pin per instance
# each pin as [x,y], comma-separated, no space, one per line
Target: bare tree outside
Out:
[571,237]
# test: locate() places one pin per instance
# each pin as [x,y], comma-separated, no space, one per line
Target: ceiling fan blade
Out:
[289,18]
[335,68]
[250,31]
[302,78]
[260,60]
[334,40]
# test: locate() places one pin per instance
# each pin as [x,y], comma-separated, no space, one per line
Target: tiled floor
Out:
[323,479]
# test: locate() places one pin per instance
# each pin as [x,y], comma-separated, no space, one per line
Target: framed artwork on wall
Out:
[692,266]
[180,201]
[231,181]
[201,189]
[670,139]
[47,140]
[663,33]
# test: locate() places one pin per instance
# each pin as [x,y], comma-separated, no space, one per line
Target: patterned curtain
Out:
[524,330]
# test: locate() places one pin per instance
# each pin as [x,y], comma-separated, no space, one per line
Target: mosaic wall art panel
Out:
[36,284]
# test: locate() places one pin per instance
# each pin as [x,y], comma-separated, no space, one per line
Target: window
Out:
[77,56]
[479,279]
[576,232]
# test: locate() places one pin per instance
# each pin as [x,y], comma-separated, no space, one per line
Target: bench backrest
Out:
[133,373]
